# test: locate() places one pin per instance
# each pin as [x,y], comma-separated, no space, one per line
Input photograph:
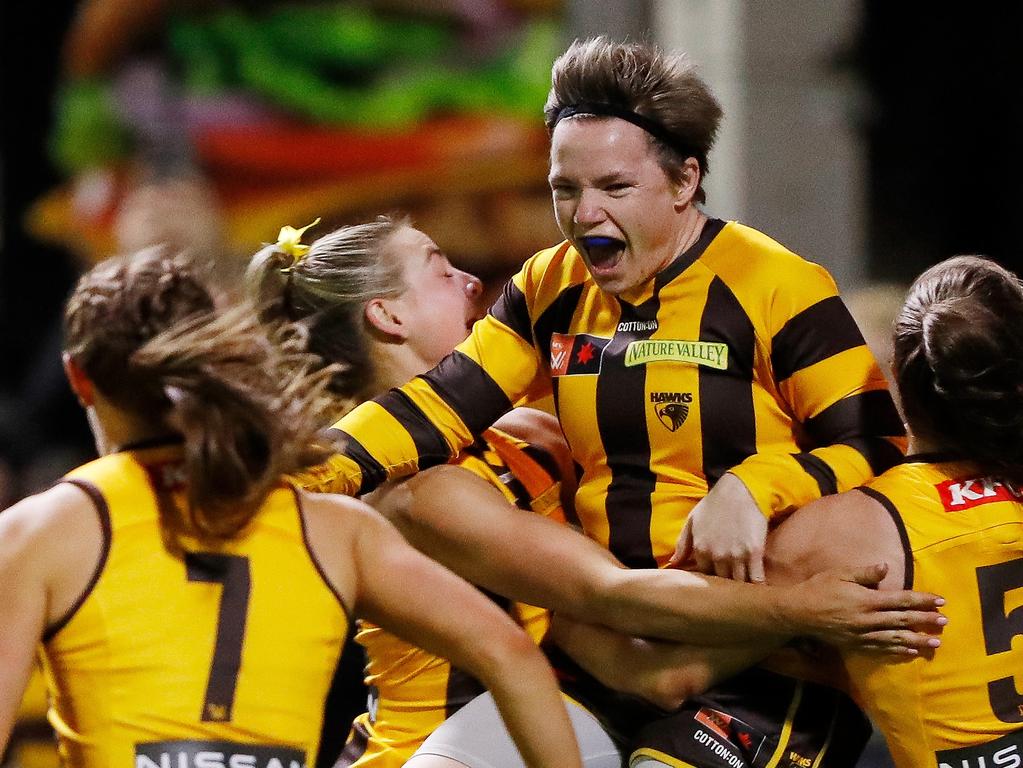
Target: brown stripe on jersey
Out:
[555,319]
[728,431]
[431,447]
[345,700]
[880,454]
[469,391]
[868,413]
[103,512]
[819,470]
[373,472]
[514,486]
[815,334]
[355,748]
[481,450]
[907,550]
[544,459]
[621,422]
[510,308]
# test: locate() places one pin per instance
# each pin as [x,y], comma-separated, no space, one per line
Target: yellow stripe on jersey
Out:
[750,364]
[786,729]
[818,386]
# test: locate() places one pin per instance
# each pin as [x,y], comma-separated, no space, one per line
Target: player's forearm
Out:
[664,673]
[527,695]
[694,608]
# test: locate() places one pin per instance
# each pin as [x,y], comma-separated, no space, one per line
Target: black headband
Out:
[652,127]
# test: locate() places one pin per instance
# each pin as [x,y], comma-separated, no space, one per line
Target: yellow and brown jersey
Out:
[963,538]
[165,658]
[739,356]
[412,691]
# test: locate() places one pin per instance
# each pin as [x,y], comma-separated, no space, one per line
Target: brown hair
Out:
[326,292]
[145,331]
[641,78]
[958,362]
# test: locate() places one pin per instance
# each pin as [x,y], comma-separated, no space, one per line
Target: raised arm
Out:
[393,585]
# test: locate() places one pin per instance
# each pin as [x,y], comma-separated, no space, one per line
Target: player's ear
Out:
[384,315]
[686,191]
[81,384]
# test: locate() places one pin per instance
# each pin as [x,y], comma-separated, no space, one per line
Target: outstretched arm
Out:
[406,593]
[860,534]
[453,516]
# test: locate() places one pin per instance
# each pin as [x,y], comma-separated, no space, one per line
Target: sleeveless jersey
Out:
[216,658]
[739,356]
[963,537]
[412,691]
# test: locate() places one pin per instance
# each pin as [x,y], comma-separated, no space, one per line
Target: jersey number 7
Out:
[232,573]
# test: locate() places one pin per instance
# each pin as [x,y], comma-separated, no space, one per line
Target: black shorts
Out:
[758,719]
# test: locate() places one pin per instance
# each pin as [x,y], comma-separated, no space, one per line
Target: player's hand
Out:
[724,534]
[843,607]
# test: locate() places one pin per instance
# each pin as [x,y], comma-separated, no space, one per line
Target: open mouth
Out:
[603,253]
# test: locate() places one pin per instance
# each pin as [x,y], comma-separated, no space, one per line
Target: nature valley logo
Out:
[672,408]
[712,354]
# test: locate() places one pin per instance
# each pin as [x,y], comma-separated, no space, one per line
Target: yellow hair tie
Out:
[290,242]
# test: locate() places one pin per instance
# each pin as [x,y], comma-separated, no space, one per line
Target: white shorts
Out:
[476,737]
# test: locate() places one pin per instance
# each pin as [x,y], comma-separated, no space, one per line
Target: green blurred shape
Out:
[88,132]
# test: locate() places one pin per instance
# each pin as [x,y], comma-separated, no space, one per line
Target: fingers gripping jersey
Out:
[963,537]
[739,356]
[164,659]
[412,691]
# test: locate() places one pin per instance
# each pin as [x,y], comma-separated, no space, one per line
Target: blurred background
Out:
[873,137]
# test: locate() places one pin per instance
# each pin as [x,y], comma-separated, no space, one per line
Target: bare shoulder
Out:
[40,522]
[54,542]
[334,515]
[849,529]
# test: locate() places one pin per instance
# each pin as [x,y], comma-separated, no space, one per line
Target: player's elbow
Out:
[669,688]
[508,650]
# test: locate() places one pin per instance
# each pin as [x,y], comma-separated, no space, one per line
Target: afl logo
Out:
[672,408]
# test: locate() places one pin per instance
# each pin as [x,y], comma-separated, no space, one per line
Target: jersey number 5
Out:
[994,582]
[232,573]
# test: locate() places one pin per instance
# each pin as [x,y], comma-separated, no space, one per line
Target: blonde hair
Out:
[326,291]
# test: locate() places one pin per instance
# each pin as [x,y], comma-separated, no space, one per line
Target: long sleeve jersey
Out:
[738,357]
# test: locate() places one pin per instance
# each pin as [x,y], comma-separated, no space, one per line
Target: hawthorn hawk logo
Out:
[672,408]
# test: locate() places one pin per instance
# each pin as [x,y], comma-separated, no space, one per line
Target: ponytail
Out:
[248,408]
[145,330]
[326,291]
